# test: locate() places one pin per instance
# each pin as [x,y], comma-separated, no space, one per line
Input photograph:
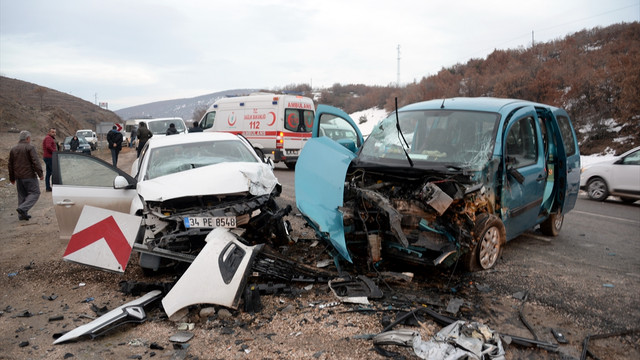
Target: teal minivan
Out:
[438,182]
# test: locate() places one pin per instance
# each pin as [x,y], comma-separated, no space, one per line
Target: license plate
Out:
[210,222]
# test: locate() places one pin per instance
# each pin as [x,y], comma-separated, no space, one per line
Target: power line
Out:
[553,27]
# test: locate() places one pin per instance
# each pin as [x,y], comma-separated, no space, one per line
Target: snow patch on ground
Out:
[372,115]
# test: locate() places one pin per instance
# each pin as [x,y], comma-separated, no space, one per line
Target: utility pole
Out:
[533,43]
[398,81]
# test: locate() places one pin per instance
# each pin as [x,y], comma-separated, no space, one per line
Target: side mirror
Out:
[120,182]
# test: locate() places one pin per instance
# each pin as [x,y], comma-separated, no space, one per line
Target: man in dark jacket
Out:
[74,143]
[24,171]
[114,138]
[195,127]
[172,129]
[144,134]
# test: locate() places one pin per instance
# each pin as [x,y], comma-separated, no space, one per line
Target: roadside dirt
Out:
[41,295]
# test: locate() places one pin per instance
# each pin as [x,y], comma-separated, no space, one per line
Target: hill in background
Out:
[27,106]
[183,108]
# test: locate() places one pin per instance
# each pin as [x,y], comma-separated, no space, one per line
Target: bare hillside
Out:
[27,106]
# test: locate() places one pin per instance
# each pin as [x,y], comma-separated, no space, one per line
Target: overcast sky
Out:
[128,52]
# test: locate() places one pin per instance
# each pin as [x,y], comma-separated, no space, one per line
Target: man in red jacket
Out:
[48,147]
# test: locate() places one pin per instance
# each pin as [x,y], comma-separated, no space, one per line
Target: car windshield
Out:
[84,133]
[451,137]
[181,157]
[160,127]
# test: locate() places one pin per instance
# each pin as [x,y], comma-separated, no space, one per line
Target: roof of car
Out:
[190,138]
[471,103]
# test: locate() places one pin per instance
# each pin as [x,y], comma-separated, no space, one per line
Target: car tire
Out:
[628,200]
[597,189]
[552,225]
[489,238]
[291,165]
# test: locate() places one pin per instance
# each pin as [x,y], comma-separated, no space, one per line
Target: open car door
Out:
[80,180]
[321,170]
[569,154]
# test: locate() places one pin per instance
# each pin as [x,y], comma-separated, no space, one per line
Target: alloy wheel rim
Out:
[596,189]
[489,248]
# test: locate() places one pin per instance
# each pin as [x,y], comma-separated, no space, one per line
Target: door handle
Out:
[65,203]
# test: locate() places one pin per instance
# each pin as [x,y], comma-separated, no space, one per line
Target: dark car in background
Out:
[84,147]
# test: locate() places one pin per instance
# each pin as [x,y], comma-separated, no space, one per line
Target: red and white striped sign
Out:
[103,238]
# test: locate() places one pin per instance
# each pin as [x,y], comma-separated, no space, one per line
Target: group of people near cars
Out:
[25,168]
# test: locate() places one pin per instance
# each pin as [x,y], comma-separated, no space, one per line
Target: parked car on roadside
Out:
[619,176]
[182,188]
[83,147]
[90,136]
[438,182]
[159,126]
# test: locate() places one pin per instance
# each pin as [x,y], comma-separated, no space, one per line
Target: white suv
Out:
[619,176]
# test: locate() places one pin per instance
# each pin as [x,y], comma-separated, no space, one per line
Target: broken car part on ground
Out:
[438,182]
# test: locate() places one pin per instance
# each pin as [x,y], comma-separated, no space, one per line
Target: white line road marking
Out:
[605,216]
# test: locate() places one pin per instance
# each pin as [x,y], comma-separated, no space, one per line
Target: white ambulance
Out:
[279,125]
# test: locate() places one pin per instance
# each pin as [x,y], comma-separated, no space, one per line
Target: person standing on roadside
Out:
[144,134]
[74,143]
[172,129]
[48,147]
[114,138]
[24,171]
[134,134]
[195,127]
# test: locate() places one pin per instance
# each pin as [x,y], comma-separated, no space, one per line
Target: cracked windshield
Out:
[463,138]
[172,159]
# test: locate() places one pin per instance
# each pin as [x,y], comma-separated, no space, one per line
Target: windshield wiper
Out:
[401,134]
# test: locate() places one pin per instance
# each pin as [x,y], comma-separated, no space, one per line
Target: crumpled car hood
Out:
[224,178]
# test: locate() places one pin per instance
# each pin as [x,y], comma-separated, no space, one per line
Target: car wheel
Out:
[628,200]
[490,236]
[291,165]
[597,189]
[552,225]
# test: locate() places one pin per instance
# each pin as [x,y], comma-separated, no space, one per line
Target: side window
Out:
[632,159]
[567,135]
[336,128]
[208,119]
[522,143]
[93,172]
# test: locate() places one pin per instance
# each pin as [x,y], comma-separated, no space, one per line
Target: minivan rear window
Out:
[298,120]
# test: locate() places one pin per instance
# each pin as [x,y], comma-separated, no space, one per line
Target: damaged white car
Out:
[438,182]
[182,187]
